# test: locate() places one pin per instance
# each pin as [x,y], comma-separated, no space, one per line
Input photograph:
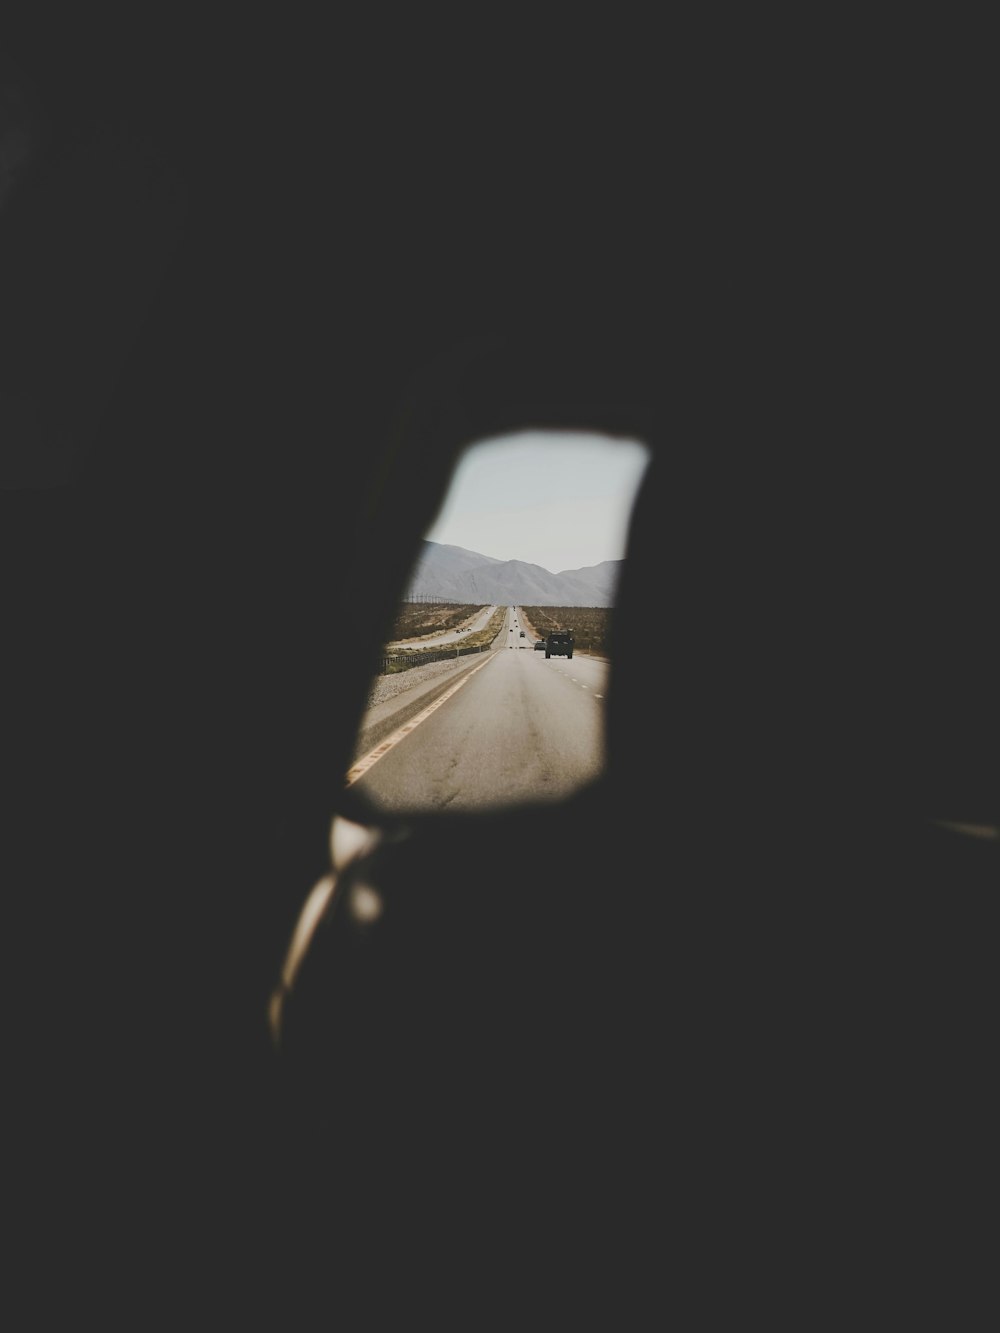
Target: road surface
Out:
[505,728]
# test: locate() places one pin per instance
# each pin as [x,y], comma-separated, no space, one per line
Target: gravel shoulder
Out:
[394,684]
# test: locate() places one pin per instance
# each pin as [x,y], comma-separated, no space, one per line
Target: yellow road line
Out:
[363,765]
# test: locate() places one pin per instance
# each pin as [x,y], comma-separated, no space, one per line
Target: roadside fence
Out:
[403,661]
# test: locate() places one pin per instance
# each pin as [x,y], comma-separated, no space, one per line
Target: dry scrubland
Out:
[418,618]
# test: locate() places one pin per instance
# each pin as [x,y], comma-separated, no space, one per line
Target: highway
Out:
[508,728]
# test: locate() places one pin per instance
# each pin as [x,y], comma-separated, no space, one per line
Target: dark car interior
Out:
[735,1023]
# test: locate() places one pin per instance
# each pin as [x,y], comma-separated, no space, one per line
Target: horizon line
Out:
[512,559]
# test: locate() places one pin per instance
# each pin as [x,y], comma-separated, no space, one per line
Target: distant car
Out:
[539,644]
[522,634]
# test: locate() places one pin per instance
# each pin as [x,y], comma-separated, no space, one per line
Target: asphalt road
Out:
[510,728]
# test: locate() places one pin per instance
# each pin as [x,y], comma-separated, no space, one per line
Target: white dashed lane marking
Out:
[577,682]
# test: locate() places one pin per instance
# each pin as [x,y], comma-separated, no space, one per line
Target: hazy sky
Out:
[559,499]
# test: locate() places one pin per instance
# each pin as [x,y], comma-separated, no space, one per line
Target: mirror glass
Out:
[493,683]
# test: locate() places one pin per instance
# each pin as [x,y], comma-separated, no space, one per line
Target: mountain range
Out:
[458,575]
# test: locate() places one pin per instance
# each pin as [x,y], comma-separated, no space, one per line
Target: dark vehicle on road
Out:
[539,644]
[522,634]
[559,644]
